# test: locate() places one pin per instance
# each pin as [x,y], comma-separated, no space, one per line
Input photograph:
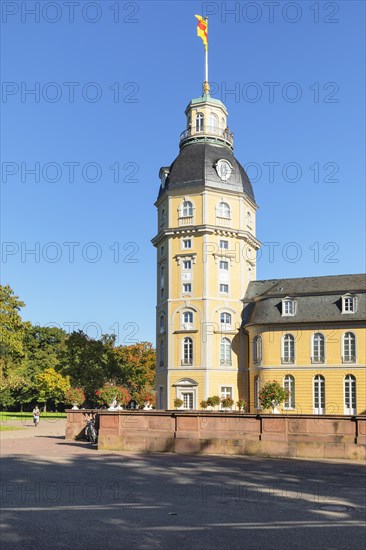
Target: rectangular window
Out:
[224,265]
[187,400]
[226,391]
[162,293]
[349,305]
[224,288]
[288,307]
[224,245]
[187,243]
[162,251]
[187,287]
[187,264]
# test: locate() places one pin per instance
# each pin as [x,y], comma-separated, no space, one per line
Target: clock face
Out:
[223,169]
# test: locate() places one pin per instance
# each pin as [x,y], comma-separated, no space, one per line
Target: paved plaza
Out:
[66,494]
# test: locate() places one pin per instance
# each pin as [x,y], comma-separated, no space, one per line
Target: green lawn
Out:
[4,415]
[9,428]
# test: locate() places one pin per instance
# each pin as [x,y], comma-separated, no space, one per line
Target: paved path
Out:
[67,495]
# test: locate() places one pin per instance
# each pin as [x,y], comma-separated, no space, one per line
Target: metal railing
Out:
[210,131]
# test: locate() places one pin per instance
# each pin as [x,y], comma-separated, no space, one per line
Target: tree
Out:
[12,327]
[51,385]
[89,363]
[135,367]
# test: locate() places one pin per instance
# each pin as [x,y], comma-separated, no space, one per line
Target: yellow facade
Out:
[304,370]
[205,259]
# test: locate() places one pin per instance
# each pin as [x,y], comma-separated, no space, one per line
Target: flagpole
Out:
[206,86]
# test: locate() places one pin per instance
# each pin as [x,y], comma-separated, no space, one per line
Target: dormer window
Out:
[288,307]
[348,304]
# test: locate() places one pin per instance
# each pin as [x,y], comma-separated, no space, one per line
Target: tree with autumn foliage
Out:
[135,367]
[51,385]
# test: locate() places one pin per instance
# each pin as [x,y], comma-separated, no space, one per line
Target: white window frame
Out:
[187,319]
[225,352]
[226,391]
[288,307]
[187,288]
[187,265]
[224,323]
[187,351]
[249,220]
[350,394]
[224,265]
[222,291]
[223,210]
[290,359]
[186,209]
[200,122]
[319,394]
[315,356]
[289,384]
[349,304]
[349,358]
[224,244]
[187,244]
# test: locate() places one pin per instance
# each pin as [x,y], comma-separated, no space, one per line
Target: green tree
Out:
[89,363]
[51,385]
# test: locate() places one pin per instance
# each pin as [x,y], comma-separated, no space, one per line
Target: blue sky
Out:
[112,80]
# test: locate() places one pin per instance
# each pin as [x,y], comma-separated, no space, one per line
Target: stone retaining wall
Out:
[227,433]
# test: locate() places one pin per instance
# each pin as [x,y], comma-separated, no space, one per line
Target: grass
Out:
[9,428]
[4,415]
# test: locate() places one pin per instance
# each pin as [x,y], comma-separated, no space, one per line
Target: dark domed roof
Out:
[195,167]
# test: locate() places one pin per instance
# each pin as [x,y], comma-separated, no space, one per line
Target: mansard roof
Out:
[318,299]
[194,167]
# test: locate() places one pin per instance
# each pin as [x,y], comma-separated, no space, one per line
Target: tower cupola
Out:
[206,122]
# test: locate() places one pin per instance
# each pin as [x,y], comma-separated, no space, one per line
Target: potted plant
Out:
[123,397]
[146,398]
[108,395]
[242,405]
[227,403]
[271,395]
[178,403]
[213,401]
[75,396]
[204,404]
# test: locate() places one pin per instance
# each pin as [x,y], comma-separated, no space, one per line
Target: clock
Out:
[223,169]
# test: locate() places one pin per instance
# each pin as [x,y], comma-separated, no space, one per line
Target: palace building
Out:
[221,332]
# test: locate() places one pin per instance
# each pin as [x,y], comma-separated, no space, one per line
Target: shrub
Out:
[75,395]
[272,394]
[178,402]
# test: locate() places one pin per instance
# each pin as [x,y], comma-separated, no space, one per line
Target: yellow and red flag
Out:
[202,30]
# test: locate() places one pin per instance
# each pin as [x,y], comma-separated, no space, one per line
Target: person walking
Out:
[36,416]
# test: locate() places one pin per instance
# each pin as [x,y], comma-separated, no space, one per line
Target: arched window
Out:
[319,394]
[225,319]
[349,348]
[225,351]
[187,209]
[162,217]
[162,276]
[162,352]
[213,124]
[289,385]
[288,349]
[257,349]
[199,122]
[249,219]
[256,392]
[187,351]
[318,351]
[223,210]
[350,394]
[188,318]
[161,323]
